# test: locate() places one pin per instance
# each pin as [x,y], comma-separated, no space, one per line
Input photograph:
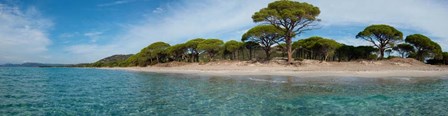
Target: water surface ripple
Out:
[77,91]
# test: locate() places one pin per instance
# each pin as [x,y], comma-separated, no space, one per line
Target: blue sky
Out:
[79,31]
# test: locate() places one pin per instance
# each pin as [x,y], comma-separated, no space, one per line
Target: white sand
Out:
[307,68]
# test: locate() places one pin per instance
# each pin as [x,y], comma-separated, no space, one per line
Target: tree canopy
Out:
[250,45]
[324,47]
[280,22]
[177,51]
[290,16]
[192,46]
[424,46]
[404,49]
[381,36]
[231,47]
[211,47]
[265,35]
[157,49]
[348,52]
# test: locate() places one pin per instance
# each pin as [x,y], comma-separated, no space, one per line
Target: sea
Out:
[90,91]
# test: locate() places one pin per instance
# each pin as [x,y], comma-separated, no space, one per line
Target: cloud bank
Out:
[23,36]
[424,16]
[179,22]
[118,2]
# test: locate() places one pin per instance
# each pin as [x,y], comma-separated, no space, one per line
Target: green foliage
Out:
[264,35]
[232,45]
[143,58]
[445,58]
[112,61]
[321,46]
[285,9]
[192,47]
[290,16]
[193,44]
[425,47]
[230,48]
[250,45]
[442,61]
[177,52]
[131,61]
[152,54]
[308,43]
[404,49]
[211,46]
[381,36]
[286,19]
[348,53]
[157,49]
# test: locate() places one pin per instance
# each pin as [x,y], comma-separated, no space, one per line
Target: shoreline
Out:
[298,71]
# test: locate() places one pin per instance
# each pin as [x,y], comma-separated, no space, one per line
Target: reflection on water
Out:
[71,91]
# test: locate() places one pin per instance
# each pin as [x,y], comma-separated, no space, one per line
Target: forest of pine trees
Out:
[279,23]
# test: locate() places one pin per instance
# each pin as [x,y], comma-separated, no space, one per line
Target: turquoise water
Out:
[76,91]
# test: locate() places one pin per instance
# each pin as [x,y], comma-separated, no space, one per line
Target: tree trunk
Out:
[326,57]
[192,58]
[235,54]
[268,55]
[211,56]
[381,53]
[288,46]
[420,56]
[242,52]
[250,54]
[196,57]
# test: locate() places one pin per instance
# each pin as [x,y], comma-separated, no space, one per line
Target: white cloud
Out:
[426,16]
[114,3]
[188,19]
[23,35]
[158,10]
[94,36]
[181,21]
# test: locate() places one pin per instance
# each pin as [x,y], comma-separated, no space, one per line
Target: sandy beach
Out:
[306,68]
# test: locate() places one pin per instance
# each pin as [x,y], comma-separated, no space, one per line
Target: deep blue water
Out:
[77,91]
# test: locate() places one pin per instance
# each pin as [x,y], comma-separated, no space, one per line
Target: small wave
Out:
[270,81]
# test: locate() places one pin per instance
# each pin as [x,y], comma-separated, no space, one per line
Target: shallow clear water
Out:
[76,91]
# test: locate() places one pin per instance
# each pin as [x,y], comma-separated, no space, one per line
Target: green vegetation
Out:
[157,50]
[264,35]
[230,49]
[115,60]
[404,49]
[283,20]
[349,53]
[177,52]
[381,36]
[192,47]
[290,16]
[442,61]
[211,46]
[425,47]
[251,46]
[321,48]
